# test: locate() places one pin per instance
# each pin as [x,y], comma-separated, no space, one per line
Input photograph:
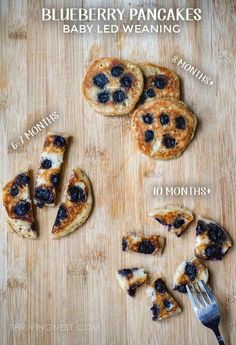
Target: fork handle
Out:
[218,336]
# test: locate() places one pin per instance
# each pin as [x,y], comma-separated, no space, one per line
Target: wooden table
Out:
[64,291]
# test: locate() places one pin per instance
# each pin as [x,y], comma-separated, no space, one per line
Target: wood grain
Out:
[65,291]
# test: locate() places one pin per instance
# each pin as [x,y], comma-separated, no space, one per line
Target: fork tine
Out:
[205,288]
[191,298]
[201,304]
[205,300]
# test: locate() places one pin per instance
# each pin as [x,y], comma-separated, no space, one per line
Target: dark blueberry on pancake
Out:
[117,71]
[160,81]
[182,288]
[148,119]
[124,245]
[149,135]
[146,247]
[167,304]
[43,196]
[61,214]
[118,96]
[46,164]
[126,81]
[155,312]
[160,286]
[191,270]
[103,97]
[59,141]
[125,272]
[216,234]
[132,290]
[14,190]
[201,227]
[180,122]
[22,179]
[168,141]
[213,252]
[55,179]
[21,208]
[164,119]
[178,222]
[100,80]
[150,93]
[76,194]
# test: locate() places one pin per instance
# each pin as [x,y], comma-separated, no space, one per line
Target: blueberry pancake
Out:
[139,243]
[49,171]
[159,82]
[176,219]
[76,207]
[130,279]
[189,271]
[163,128]
[164,305]
[113,86]
[16,199]
[212,241]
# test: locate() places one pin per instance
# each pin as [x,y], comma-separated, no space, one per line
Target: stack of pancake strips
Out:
[162,128]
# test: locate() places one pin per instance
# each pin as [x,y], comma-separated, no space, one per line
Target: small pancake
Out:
[140,243]
[162,129]
[212,241]
[130,279]
[113,86]
[159,82]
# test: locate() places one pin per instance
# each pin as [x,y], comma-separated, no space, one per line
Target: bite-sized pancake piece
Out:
[18,204]
[158,82]
[164,305]
[113,86]
[212,241]
[189,271]
[48,174]
[162,129]
[76,207]
[130,279]
[175,218]
[140,243]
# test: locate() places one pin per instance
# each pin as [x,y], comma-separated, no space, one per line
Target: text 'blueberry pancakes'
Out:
[188,272]
[164,305]
[18,204]
[76,207]
[130,279]
[175,218]
[48,174]
[113,86]
[212,241]
[163,128]
[158,82]
[144,244]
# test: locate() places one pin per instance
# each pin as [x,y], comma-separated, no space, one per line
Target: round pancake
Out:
[158,82]
[113,86]
[163,128]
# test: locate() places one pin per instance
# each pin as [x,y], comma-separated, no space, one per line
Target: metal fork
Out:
[205,307]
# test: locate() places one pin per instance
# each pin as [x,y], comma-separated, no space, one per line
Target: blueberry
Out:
[103,97]
[59,141]
[164,119]
[143,98]
[61,214]
[116,71]
[100,80]
[191,270]
[21,208]
[124,245]
[180,122]
[168,141]
[55,179]
[146,247]
[14,190]
[125,272]
[149,135]
[167,304]
[132,289]
[178,222]
[150,93]
[213,252]
[126,81]
[76,194]
[22,179]
[201,227]
[148,119]
[216,234]
[44,196]
[46,164]
[182,288]
[118,96]
[160,81]
[155,312]
[160,286]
